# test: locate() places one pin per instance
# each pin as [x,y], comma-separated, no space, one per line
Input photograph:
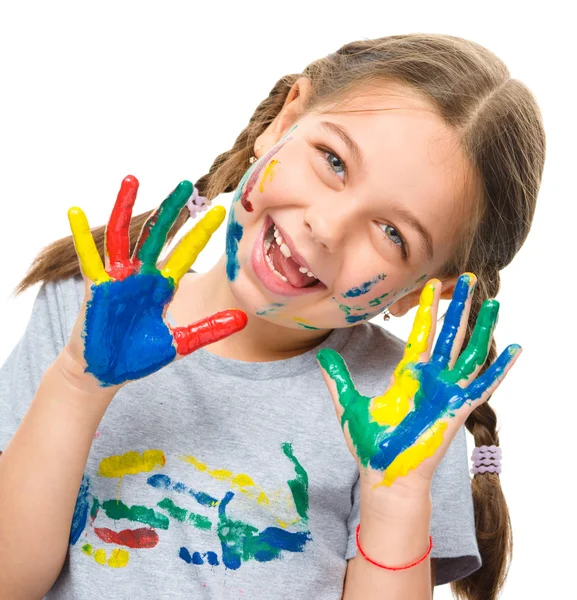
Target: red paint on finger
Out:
[209,330]
[117,236]
[132,538]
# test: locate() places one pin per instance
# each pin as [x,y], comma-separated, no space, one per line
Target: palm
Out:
[428,400]
[125,334]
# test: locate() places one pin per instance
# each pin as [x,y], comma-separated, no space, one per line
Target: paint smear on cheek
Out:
[259,166]
[233,237]
[365,287]
[305,324]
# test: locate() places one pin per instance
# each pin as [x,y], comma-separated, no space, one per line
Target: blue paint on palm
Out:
[125,335]
[233,237]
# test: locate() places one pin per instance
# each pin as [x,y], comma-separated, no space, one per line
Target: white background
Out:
[90,92]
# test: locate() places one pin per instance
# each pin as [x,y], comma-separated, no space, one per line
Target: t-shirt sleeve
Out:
[452,523]
[42,341]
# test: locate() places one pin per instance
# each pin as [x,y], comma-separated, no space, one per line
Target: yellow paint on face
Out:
[423,448]
[131,463]
[90,260]
[269,173]
[393,406]
[192,244]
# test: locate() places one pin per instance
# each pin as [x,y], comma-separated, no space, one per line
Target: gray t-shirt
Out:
[218,478]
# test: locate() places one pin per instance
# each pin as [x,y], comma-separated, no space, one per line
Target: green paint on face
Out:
[377,301]
[364,431]
[299,486]
[115,509]
[477,349]
[307,326]
[182,515]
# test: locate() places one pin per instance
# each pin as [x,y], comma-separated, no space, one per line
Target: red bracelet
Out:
[394,568]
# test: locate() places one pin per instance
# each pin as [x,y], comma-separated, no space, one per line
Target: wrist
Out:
[397,531]
[69,381]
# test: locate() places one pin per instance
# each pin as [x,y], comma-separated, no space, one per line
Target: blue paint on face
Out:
[125,335]
[164,482]
[233,237]
[80,515]
[364,287]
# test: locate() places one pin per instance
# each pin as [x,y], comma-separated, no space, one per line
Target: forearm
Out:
[397,536]
[40,475]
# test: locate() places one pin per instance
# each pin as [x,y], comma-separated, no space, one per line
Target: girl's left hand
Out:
[400,437]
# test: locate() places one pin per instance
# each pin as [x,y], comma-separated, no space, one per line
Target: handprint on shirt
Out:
[397,431]
[125,335]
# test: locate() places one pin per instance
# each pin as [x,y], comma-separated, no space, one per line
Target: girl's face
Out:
[346,212]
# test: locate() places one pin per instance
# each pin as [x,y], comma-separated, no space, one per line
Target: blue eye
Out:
[395,237]
[334,164]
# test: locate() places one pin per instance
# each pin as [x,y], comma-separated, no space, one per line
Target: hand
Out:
[410,427]
[121,332]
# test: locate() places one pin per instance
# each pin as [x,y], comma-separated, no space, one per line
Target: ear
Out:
[403,305]
[292,109]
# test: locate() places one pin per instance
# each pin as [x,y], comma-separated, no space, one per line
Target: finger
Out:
[420,341]
[154,236]
[208,330]
[446,348]
[193,243]
[338,379]
[477,350]
[481,388]
[117,236]
[90,261]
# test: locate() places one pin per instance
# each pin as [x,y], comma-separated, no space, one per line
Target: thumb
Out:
[337,378]
[208,330]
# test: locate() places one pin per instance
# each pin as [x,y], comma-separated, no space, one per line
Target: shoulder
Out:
[58,302]
[372,353]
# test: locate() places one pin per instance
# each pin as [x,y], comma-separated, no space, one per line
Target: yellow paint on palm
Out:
[90,260]
[393,406]
[193,243]
[423,448]
[267,173]
[131,463]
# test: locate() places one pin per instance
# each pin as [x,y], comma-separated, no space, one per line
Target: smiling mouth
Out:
[282,263]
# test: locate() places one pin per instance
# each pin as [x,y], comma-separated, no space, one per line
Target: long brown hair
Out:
[501,130]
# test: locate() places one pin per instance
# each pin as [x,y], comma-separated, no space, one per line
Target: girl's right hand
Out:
[121,333]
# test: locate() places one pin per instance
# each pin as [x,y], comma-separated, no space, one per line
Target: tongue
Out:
[289,268]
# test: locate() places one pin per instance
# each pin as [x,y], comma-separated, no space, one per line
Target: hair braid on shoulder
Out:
[492,521]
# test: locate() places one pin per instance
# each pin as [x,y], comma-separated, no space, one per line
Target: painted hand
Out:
[411,426]
[125,335]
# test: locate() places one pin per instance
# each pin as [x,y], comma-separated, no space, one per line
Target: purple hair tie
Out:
[486,459]
[196,203]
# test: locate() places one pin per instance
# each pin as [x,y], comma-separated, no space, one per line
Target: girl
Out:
[367,183]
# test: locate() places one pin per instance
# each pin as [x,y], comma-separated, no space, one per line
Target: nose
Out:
[329,224]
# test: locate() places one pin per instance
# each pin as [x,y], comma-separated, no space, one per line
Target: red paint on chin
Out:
[132,538]
[263,272]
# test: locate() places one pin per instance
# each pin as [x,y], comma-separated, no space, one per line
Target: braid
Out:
[492,520]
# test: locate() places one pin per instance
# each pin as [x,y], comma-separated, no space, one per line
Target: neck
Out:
[201,294]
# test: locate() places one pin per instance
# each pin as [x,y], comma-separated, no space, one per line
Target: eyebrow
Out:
[426,239]
[345,137]
[408,217]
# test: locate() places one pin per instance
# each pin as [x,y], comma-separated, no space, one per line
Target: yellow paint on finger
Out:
[269,173]
[193,243]
[131,463]
[90,261]
[394,405]
[412,457]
